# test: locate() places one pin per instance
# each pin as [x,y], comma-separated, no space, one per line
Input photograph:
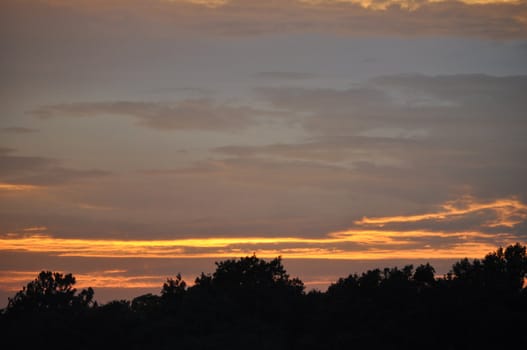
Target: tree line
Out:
[253,303]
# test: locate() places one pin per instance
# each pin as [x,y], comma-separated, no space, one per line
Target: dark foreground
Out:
[253,304]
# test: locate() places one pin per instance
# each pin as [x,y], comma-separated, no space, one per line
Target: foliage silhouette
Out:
[250,302]
[174,288]
[424,275]
[50,291]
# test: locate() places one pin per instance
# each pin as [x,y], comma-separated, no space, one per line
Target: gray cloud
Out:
[11,164]
[267,172]
[450,132]
[421,100]
[418,102]
[244,17]
[40,170]
[59,176]
[241,17]
[190,114]
[17,130]
[399,144]
[6,150]
[279,75]
[395,145]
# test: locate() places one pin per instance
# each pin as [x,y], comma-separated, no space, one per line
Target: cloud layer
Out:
[369,238]
[244,18]
[192,114]
[141,135]
[18,171]
[388,146]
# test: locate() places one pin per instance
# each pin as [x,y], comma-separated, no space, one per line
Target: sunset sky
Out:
[142,138]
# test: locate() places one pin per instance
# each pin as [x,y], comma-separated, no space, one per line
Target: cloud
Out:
[479,96]
[451,131]
[386,147]
[244,17]
[16,187]
[295,183]
[368,238]
[465,214]
[6,150]
[278,75]
[267,247]
[264,172]
[408,18]
[350,153]
[12,280]
[17,130]
[26,172]
[190,114]
[417,98]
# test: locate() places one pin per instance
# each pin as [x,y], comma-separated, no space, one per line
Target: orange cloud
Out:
[13,280]
[17,187]
[484,18]
[355,243]
[208,3]
[35,229]
[397,244]
[405,4]
[509,212]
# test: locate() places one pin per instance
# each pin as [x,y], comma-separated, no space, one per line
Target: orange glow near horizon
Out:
[13,280]
[302,248]
[370,242]
[369,239]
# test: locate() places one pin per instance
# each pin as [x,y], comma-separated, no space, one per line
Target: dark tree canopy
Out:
[501,271]
[253,303]
[50,291]
[253,273]
[173,288]
[425,274]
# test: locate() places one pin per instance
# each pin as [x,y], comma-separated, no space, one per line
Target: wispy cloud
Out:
[415,127]
[492,18]
[24,173]
[190,114]
[17,130]
[12,280]
[281,75]
[36,229]
[370,245]
[17,187]
[508,213]
[358,242]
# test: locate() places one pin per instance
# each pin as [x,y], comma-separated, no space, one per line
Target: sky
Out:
[144,138]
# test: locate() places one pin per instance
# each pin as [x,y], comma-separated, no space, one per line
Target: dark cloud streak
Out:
[190,114]
[244,18]
[40,171]
[280,75]
[17,130]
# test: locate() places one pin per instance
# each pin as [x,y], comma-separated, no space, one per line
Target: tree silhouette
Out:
[251,302]
[344,286]
[425,275]
[251,273]
[173,288]
[370,280]
[50,291]
[146,303]
[516,265]
[501,271]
